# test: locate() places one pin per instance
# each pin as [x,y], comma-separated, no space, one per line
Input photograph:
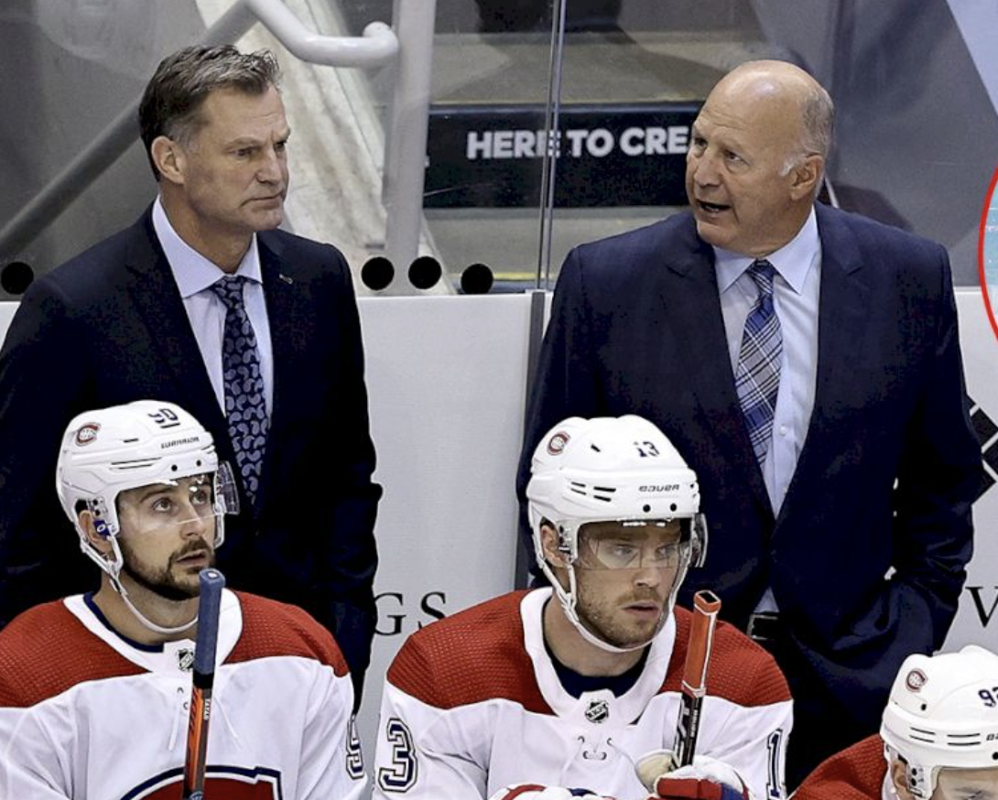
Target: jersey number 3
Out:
[401,775]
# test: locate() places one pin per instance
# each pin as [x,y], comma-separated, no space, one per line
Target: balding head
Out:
[787,88]
[757,157]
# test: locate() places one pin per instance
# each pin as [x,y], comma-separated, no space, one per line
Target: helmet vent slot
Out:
[963,739]
[137,464]
[601,493]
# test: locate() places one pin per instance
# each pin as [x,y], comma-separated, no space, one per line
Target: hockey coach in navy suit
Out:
[806,363]
[204,304]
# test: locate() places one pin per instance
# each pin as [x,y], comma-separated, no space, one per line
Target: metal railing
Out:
[411,49]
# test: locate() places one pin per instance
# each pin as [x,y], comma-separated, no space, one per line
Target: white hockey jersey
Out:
[473,703]
[89,715]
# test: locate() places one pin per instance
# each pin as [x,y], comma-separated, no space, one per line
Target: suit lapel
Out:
[843,312]
[291,324]
[694,309]
[154,294]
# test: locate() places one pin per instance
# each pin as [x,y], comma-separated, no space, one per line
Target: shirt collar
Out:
[192,271]
[792,261]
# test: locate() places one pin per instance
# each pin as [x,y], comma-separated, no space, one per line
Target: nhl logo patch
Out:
[87,433]
[556,444]
[915,680]
[598,711]
[185,659]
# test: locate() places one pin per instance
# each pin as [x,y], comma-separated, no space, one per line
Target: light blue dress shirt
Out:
[195,275]
[795,296]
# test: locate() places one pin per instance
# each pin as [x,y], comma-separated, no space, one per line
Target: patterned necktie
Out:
[757,376]
[245,407]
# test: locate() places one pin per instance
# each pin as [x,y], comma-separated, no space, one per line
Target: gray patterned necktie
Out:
[245,406]
[757,376]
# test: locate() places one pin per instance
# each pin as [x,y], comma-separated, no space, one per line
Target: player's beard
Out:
[603,616]
[163,582]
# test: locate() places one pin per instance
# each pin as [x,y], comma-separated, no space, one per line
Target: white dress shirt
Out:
[195,275]
[795,296]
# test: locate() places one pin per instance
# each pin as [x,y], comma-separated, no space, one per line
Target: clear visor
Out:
[633,544]
[195,500]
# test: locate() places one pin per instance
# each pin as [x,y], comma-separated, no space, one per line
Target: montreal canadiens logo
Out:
[231,783]
[87,433]
[557,443]
[916,679]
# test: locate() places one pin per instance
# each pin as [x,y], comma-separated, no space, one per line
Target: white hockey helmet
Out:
[610,469]
[111,450]
[943,712]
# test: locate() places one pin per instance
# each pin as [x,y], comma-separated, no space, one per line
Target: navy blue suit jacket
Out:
[110,327]
[637,328]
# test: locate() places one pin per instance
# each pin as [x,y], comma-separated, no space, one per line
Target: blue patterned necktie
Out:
[757,376]
[245,406]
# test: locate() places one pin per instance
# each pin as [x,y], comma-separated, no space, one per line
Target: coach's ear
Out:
[95,539]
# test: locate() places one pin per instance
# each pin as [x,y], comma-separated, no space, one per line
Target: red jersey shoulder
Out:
[856,773]
[46,651]
[271,628]
[475,655]
[740,670]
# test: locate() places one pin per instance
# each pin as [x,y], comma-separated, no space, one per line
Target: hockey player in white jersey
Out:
[566,691]
[94,688]
[938,740]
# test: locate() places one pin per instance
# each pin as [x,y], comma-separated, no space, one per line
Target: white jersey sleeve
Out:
[416,756]
[30,763]
[331,762]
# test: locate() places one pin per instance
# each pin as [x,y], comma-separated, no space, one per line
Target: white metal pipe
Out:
[405,160]
[376,47]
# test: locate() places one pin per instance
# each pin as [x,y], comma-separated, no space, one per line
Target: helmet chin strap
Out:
[113,570]
[147,622]
[568,603]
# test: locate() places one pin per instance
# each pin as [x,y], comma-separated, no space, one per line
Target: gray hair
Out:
[172,101]
[817,118]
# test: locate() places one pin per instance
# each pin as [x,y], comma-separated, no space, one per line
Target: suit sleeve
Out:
[43,375]
[939,478]
[350,555]
[565,383]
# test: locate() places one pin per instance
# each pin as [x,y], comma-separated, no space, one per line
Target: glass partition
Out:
[913,81]
[70,68]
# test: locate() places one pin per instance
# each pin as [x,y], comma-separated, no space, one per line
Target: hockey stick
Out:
[209,604]
[706,606]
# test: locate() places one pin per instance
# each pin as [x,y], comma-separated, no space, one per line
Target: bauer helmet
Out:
[943,713]
[611,470]
[109,451]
